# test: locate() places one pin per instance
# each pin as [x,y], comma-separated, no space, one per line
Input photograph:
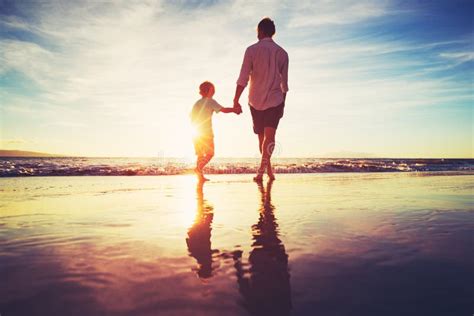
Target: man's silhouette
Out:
[265,64]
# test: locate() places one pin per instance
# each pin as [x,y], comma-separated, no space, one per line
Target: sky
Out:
[372,78]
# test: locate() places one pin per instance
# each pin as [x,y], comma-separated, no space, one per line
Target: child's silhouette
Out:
[201,117]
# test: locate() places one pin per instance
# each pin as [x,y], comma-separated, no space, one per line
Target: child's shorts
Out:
[204,145]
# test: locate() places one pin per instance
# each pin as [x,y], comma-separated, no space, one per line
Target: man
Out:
[266,64]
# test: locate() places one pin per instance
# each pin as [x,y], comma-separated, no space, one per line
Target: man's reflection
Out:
[199,235]
[266,286]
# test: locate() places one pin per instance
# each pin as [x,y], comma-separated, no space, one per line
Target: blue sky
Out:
[372,78]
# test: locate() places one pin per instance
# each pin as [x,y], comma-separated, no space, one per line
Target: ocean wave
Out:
[19,167]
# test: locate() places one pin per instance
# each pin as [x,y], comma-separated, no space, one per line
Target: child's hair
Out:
[205,87]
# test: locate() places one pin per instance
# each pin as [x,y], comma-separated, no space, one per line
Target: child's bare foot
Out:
[202,178]
[200,175]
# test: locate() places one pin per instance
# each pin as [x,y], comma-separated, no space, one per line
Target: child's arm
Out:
[229,110]
[219,108]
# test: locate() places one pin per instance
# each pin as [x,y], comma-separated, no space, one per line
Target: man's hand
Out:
[237,107]
[238,92]
[237,110]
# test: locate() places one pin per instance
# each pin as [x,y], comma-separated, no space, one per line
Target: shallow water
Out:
[312,244]
[87,166]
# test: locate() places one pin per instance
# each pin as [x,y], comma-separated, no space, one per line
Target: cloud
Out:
[461,57]
[327,13]
[116,55]
[14,22]
[32,60]
[13,141]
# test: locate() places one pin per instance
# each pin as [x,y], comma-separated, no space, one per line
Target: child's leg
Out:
[199,159]
[199,154]
[208,146]
[200,164]
[205,160]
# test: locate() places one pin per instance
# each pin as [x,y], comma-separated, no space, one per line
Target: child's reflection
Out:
[199,234]
[266,286]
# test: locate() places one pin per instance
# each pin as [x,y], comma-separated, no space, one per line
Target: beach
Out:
[305,244]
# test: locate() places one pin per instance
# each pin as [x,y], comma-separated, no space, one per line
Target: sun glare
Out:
[193,131]
[186,136]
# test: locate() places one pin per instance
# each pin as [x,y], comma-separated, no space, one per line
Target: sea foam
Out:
[76,166]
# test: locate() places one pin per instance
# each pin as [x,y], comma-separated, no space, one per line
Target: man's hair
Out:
[266,26]
[205,87]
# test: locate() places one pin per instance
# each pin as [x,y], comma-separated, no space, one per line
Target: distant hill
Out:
[22,153]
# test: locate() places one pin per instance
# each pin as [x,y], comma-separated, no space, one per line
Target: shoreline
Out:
[191,173]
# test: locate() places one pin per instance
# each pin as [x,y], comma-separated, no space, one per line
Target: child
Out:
[201,117]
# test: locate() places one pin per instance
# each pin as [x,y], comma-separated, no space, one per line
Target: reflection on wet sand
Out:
[361,244]
[265,287]
[199,234]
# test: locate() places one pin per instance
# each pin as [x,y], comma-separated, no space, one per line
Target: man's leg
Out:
[267,150]
[270,173]
[261,136]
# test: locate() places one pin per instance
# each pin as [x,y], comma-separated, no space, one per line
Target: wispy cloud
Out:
[14,141]
[459,56]
[329,13]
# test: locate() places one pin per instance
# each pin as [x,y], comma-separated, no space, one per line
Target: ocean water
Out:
[398,243]
[16,167]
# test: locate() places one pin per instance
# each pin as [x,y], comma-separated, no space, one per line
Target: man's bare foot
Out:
[258,178]
[271,176]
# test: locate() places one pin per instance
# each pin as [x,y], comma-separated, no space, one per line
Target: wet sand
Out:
[306,244]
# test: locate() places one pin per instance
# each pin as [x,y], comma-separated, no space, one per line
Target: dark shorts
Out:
[266,118]
[204,145]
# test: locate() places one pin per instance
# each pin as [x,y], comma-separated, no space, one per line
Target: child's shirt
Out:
[201,115]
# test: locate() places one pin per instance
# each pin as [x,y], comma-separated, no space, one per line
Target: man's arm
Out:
[245,71]
[284,76]
[238,92]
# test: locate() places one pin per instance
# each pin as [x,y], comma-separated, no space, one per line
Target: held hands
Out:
[237,110]
[237,107]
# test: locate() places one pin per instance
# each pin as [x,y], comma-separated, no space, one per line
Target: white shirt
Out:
[201,115]
[266,64]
